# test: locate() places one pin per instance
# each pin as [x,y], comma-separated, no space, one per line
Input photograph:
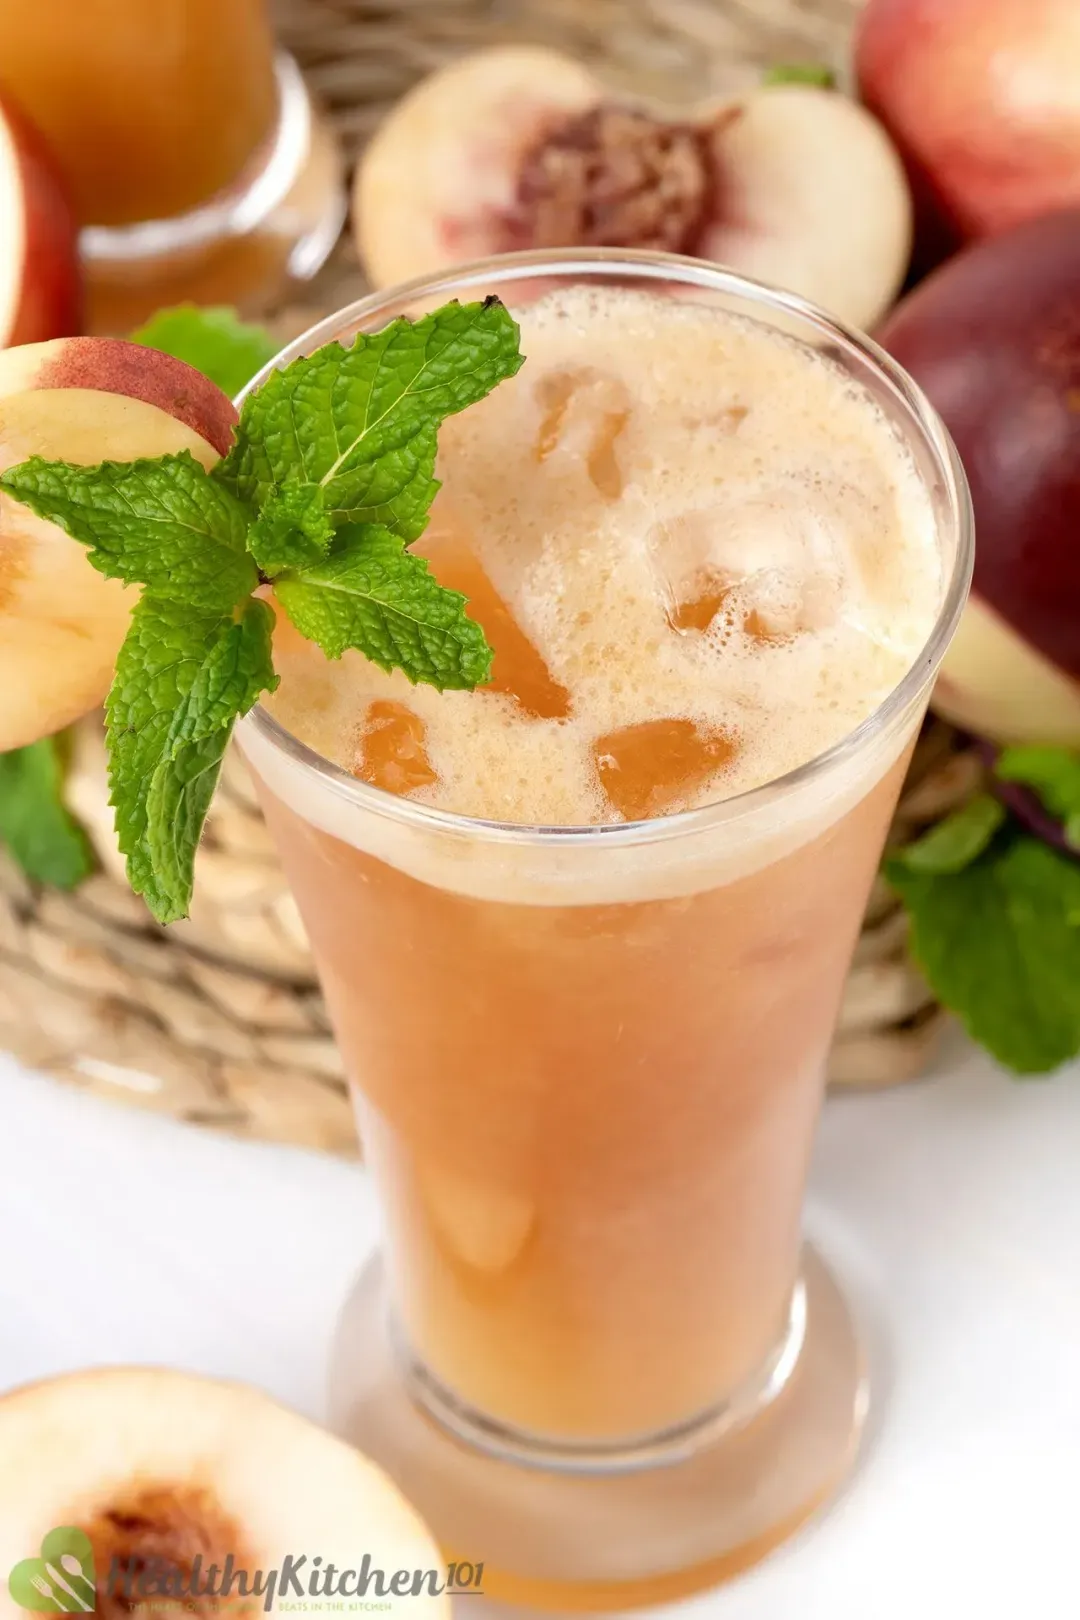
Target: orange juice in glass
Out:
[583,933]
[194,159]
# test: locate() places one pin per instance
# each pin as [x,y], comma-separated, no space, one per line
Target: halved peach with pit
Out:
[520,147]
[83,400]
[195,1477]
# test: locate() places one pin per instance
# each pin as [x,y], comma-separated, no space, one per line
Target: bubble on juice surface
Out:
[583,414]
[518,670]
[393,750]
[659,766]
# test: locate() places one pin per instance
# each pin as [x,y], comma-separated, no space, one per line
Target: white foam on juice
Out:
[735,535]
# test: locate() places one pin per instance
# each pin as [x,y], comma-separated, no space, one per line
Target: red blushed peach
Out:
[518,147]
[39,270]
[994,339]
[983,100]
[83,400]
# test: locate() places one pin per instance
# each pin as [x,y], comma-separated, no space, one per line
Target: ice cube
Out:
[518,668]
[700,602]
[393,755]
[583,413]
[772,562]
[659,766]
[483,1225]
[694,588]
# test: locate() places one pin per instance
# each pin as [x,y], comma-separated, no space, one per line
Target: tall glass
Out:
[193,159]
[588,1063]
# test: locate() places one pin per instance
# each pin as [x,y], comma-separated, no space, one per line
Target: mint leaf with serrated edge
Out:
[177,802]
[331,476]
[35,824]
[292,529]
[164,523]
[373,595]
[958,840]
[361,422]
[181,678]
[1051,773]
[999,943]
[214,340]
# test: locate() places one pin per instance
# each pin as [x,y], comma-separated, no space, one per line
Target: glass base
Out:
[575,1529]
[244,246]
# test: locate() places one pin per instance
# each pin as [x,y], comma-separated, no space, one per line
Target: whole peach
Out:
[994,339]
[983,99]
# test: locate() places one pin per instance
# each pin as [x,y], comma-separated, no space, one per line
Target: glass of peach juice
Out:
[583,934]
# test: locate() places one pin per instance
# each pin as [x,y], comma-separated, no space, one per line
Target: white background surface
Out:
[951,1208]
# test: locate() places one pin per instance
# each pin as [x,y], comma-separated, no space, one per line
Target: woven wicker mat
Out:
[220,1020]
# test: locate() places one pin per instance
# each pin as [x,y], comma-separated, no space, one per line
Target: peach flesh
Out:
[518,147]
[61,622]
[995,685]
[155,1464]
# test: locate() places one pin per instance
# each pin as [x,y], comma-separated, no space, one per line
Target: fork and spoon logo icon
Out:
[61,1579]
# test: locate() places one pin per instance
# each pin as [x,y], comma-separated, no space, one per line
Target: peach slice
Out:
[83,400]
[518,147]
[39,269]
[163,1468]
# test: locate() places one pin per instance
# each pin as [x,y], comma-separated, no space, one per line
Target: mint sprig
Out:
[372,594]
[1054,775]
[40,832]
[330,477]
[361,422]
[163,524]
[995,916]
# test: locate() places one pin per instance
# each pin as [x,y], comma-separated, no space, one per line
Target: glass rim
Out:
[922,421]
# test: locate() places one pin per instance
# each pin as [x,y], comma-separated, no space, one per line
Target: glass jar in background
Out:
[196,164]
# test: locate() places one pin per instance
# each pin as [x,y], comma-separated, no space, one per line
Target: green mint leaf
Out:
[177,801]
[1053,773]
[182,678]
[362,422]
[1072,830]
[958,840]
[999,942]
[292,529]
[373,595]
[40,832]
[164,524]
[225,349]
[817,74]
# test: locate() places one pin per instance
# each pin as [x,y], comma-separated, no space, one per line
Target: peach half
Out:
[166,1475]
[83,400]
[519,147]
